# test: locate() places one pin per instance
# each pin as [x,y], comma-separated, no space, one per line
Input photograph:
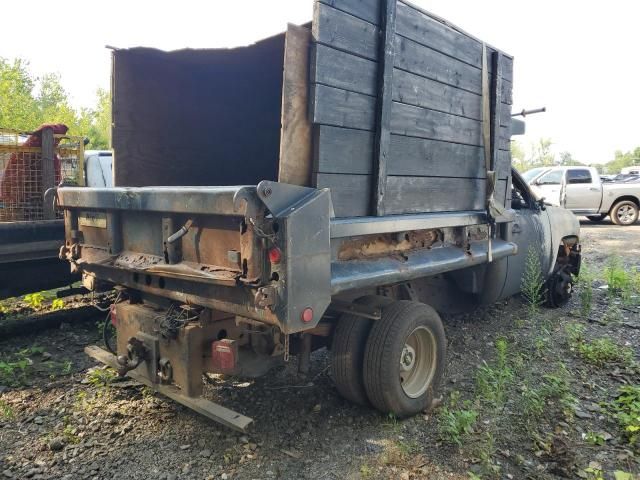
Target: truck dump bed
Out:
[392,119]
[368,148]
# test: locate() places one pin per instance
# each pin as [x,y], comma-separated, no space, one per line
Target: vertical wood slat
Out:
[295,165]
[48,173]
[385,103]
[495,107]
[495,125]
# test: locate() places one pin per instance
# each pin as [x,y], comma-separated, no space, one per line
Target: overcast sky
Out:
[580,59]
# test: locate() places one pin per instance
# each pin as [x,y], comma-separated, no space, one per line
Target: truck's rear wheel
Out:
[404,358]
[597,218]
[559,289]
[347,351]
[624,213]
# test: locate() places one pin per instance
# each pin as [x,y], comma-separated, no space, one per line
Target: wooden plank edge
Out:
[37,323]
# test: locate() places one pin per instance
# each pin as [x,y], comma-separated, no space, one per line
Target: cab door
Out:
[583,193]
[549,186]
[530,231]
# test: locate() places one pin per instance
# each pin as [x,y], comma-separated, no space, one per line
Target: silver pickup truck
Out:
[580,190]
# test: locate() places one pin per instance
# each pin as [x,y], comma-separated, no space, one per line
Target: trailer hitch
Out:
[136,354]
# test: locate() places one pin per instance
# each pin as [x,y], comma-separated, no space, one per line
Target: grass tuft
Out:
[532,283]
[456,420]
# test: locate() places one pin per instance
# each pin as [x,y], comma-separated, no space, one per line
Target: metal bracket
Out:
[266,297]
[282,198]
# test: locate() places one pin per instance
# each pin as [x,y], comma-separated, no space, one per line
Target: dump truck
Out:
[339,185]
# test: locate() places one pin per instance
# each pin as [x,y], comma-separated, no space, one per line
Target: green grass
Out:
[594,439]
[493,380]
[57,304]
[539,395]
[6,411]
[625,409]
[100,377]
[17,369]
[14,373]
[532,282]
[599,352]
[456,420]
[585,290]
[622,282]
[34,300]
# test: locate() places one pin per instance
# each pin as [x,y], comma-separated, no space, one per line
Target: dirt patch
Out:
[526,396]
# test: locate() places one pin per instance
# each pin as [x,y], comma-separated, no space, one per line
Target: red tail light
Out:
[275,255]
[307,315]
[112,315]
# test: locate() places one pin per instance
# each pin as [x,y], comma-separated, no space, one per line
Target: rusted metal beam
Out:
[211,410]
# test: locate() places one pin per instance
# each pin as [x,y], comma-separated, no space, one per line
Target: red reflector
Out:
[307,315]
[112,315]
[275,255]
[224,356]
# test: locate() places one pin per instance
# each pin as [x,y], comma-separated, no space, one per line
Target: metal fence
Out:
[31,163]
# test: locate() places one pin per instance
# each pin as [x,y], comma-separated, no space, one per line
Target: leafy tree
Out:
[27,102]
[566,159]
[100,130]
[18,108]
[623,159]
[518,156]
[541,154]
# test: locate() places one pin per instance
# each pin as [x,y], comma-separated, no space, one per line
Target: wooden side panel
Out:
[296,159]
[435,156]
[339,30]
[350,193]
[367,10]
[426,30]
[350,151]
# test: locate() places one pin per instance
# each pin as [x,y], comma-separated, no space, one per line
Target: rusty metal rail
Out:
[211,410]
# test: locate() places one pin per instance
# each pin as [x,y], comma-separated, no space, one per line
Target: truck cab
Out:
[578,189]
[581,190]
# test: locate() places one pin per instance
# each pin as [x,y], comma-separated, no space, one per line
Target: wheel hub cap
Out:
[625,214]
[408,358]
[417,365]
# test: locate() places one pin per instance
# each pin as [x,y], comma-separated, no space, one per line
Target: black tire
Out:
[347,351]
[624,213]
[387,343]
[559,289]
[597,218]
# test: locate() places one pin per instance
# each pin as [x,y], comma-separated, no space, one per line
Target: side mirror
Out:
[541,204]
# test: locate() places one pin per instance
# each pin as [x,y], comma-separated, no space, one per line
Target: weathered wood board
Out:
[435,157]
[295,166]
[407,194]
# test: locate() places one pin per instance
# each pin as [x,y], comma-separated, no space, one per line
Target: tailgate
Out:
[206,246]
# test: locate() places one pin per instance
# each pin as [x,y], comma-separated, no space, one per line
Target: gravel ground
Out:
[67,418]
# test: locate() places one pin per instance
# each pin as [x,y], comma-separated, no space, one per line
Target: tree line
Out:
[540,154]
[27,101]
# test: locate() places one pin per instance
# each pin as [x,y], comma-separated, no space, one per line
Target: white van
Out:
[98,168]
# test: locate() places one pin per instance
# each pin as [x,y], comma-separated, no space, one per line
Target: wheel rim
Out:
[625,214]
[418,362]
